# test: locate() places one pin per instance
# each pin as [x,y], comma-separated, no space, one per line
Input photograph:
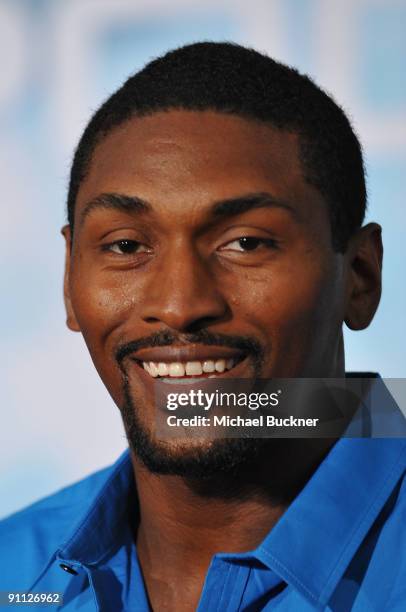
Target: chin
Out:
[188,458]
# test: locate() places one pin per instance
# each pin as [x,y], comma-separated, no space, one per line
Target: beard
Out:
[223,468]
[228,468]
[208,460]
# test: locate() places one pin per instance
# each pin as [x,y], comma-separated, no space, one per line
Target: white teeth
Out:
[153,369]
[194,368]
[208,366]
[177,369]
[163,369]
[220,365]
[147,367]
[230,364]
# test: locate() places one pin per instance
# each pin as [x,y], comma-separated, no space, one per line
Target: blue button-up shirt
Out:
[341,545]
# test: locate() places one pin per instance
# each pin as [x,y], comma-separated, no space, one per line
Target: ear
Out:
[365,276]
[71,321]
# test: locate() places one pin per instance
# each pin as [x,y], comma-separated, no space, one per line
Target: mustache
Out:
[247,344]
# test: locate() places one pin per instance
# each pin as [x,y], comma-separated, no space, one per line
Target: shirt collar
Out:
[315,539]
[311,545]
[106,519]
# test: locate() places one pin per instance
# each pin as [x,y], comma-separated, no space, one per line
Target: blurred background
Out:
[60,59]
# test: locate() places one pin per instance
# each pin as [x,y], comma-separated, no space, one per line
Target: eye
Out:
[249,244]
[126,247]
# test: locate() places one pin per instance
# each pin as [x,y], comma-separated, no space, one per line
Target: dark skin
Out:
[189,271]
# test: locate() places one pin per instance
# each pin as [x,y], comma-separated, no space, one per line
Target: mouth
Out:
[186,363]
[190,369]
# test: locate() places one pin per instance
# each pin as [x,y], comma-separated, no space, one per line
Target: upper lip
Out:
[191,352]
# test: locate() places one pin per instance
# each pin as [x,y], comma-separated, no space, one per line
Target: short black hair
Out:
[228,78]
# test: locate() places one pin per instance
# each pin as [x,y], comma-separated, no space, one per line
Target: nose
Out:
[182,292]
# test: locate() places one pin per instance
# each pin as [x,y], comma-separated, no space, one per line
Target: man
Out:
[215,216]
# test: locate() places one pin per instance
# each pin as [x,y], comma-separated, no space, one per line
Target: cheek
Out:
[103,302]
[293,307]
[300,298]
[103,306]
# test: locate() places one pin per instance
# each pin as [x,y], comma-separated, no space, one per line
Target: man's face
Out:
[214,253]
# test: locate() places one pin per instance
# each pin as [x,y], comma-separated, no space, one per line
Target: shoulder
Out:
[30,537]
[383,556]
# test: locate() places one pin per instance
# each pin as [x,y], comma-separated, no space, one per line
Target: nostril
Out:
[187,322]
[151,320]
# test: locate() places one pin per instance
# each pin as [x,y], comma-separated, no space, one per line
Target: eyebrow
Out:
[223,208]
[250,201]
[115,201]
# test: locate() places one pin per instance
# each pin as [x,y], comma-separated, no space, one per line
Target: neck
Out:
[184,522]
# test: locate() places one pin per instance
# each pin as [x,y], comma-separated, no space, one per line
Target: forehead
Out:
[196,157]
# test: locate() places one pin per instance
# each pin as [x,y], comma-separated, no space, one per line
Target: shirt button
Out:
[68,568]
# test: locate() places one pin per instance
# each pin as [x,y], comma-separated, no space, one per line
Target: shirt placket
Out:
[224,586]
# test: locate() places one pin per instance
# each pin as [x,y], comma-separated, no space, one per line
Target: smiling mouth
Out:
[209,368]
